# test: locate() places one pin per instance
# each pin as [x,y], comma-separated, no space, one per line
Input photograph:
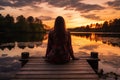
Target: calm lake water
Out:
[106,44]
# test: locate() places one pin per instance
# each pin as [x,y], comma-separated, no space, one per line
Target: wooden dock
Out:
[38,69]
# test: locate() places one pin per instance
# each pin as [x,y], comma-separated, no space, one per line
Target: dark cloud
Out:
[92,16]
[74,5]
[67,4]
[1,8]
[87,7]
[21,3]
[18,3]
[46,18]
[115,4]
[5,3]
[57,3]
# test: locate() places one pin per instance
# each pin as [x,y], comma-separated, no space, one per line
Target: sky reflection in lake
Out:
[109,54]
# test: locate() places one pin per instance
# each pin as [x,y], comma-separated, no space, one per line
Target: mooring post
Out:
[93,61]
[24,58]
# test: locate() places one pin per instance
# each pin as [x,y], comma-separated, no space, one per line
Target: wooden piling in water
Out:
[93,61]
[24,58]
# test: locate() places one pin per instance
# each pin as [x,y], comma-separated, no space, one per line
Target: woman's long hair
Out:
[60,28]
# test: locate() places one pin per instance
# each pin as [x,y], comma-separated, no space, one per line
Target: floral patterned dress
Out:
[58,52]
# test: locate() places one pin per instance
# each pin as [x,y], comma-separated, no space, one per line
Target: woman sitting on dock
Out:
[59,48]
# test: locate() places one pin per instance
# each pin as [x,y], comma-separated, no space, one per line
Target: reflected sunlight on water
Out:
[109,54]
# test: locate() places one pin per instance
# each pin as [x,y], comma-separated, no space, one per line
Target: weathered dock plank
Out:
[55,72]
[38,69]
[54,79]
[55,76]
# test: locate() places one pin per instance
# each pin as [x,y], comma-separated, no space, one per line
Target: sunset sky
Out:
[75,12]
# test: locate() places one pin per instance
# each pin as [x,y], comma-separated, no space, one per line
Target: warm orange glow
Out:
[74,17]
[103,49]
[92,37]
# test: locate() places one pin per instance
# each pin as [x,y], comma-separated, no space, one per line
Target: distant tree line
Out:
[107,26]
[21,24]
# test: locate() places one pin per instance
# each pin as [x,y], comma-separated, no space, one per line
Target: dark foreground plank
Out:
[53,79]
[67,76]
[54,72]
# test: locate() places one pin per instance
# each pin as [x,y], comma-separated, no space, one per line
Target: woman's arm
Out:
[49,44]
[70,47]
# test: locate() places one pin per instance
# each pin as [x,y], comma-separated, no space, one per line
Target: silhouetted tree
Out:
[91,25]
[116,25]
[39,25]
[37,20]
[105,26]
[30,19]
[9,22]
[2,22]
[97,25]
[21,19]
[21,24]
[87,28]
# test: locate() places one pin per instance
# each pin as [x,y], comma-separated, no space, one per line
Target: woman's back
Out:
[57,40]
[59,52]
[59,48]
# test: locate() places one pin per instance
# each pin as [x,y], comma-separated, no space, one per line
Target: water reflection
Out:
[106,38]
[106,44]
[21,37]
[8,45]
[23,40]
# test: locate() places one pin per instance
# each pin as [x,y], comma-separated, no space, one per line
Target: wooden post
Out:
[24,58]
[94,54]
[25,55]
[93,61]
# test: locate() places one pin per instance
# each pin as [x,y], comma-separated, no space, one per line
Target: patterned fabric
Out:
[58,51]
